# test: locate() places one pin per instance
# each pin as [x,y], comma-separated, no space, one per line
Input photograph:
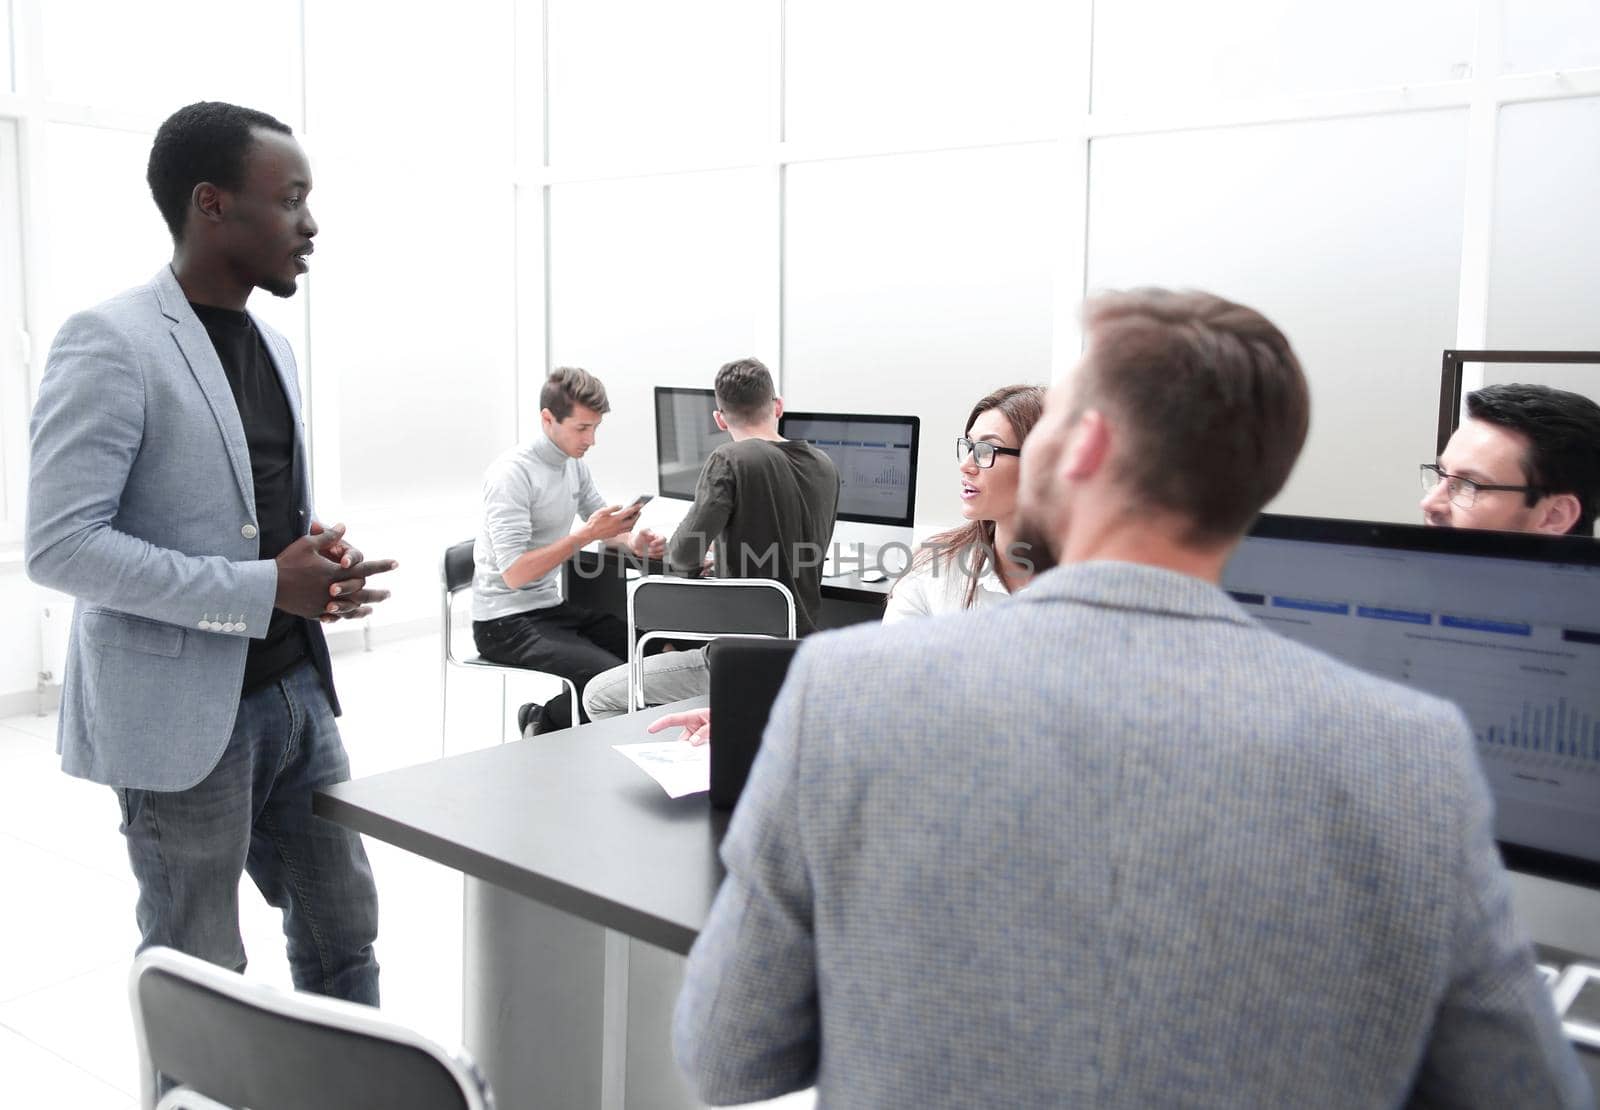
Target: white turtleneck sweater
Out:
[531,495]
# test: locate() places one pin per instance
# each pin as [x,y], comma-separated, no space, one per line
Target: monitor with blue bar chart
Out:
[876,457]
[1505,625]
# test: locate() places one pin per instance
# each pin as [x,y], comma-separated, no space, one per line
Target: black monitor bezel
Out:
[872,418]
[680,391]
[1453,370]
[1569,550]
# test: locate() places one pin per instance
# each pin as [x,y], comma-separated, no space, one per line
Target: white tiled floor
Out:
[67,929]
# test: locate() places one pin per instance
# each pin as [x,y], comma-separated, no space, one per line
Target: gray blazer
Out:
[141,505]
[1112,843]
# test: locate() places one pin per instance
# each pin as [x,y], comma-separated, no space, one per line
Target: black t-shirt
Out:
[269,430]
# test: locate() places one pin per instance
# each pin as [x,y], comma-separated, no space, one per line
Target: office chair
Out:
[456,573]
[662,607]
[228,1042]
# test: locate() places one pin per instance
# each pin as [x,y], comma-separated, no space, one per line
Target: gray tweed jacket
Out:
[1111,843]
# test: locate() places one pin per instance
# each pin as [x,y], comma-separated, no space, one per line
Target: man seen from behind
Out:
[1113,843]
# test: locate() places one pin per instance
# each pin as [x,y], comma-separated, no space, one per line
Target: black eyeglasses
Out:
[1463,492]
[982,452]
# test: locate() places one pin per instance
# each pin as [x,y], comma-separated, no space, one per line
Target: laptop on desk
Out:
[746,675]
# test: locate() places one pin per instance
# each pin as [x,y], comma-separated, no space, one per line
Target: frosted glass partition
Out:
[111,52]
[900,70]
[1348,235]
[1154,54]
[413,280]
[916,284]
[1549,34]
[1544,273]
[639,79]
[658,281]
[99,231]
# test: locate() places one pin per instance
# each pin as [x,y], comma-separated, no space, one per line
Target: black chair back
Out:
[457,566]
[746,675]
[700,607]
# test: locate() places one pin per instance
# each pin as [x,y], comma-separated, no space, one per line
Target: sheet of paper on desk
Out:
[679,768]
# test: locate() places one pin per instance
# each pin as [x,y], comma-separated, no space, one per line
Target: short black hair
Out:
[745,391]
[1563,432]
[204,141]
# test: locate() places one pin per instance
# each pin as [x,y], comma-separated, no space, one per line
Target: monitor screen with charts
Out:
[686,433]
[1505,625]
[876,457]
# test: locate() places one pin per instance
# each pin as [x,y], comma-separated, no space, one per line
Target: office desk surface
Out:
[559,818]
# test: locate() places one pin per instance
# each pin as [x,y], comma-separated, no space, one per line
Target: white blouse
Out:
[939,586]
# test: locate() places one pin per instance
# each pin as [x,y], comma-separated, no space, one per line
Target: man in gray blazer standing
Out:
[1113,843]
[168,493]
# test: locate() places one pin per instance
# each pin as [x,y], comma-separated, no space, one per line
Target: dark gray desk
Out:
[585,886]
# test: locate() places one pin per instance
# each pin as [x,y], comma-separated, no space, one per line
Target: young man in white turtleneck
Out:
[531,496]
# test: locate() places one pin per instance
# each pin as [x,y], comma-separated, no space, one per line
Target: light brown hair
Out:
[1213,400]
[568,386]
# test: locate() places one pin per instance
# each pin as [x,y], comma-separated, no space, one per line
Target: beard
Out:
[279,287]
[1032,544]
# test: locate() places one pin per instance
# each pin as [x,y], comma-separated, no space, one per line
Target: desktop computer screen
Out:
[686,433]
[1505,625]
[876,457]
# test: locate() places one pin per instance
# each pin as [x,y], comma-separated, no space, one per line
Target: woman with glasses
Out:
[976,564]
[955,569]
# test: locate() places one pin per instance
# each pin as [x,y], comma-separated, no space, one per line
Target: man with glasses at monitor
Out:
[1526,459]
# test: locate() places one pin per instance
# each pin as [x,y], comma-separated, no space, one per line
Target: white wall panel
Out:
[915,285]
[412,315]
[1549,34]
[910,70]
[1544,274]
[7,61]
[632,80]
[1347,235]
[413,275]
[157,57]
[657,281]
[100,230]
[1167,55]
[14,392]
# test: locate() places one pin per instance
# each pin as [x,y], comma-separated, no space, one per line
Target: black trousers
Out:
[568,640]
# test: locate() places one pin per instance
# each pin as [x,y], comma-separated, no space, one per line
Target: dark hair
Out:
[744,391]
[1563,433]
[1021,405]
[1211,396]
[205,141]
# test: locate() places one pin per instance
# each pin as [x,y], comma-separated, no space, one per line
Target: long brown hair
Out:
[1022,406]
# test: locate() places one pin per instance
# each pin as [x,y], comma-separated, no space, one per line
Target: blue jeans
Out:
[253,813]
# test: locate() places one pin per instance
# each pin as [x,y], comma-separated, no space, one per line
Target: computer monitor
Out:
[686,433]
[876,457]
[1505,625]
